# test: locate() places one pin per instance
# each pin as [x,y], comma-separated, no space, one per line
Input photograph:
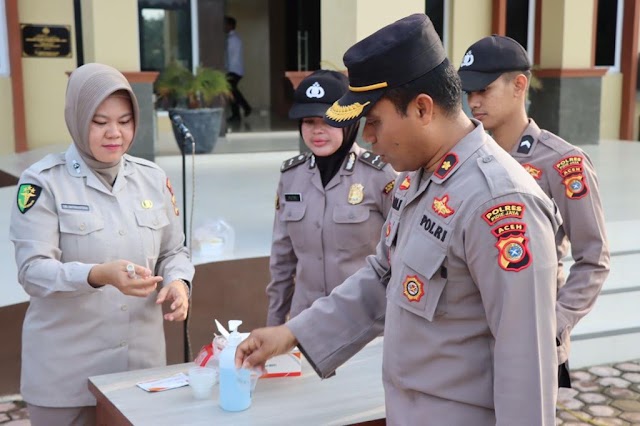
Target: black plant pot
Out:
[204,125]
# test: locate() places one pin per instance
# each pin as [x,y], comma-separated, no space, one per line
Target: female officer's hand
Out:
[176,291]
[115,273]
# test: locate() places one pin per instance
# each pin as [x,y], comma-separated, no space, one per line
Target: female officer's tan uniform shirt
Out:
[323,235]
[65,222]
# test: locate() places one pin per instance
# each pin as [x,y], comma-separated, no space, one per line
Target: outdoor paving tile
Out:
[566,393]
[632,377]
[593,398]
[587,386]
[7,406]
[631,417]
[629,366]
[602,411]
[614,381]
[574,416]
[607,421]
[3,417]
[19,414]
[627,405]
[571,404]
[621,393]
[576,424]
[582,375]
[604,371]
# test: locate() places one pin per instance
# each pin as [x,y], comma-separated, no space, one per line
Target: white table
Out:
[354,395]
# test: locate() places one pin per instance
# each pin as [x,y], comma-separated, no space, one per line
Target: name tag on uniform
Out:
[81,207]
[293,197]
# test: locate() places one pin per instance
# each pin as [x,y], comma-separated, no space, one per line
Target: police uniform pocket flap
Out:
[79,223]
[154,219]
[293,212]
[350,214]
[421,283]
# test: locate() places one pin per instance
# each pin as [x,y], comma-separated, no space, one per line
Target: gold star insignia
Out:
[446,165]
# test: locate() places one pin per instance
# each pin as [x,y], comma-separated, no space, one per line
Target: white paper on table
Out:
[176,381]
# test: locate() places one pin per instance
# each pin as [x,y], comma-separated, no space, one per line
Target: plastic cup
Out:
[201,381]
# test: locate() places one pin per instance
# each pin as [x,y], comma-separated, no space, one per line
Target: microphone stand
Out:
[185,136]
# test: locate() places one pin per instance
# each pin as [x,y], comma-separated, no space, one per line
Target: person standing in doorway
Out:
[234,65]
[495,74]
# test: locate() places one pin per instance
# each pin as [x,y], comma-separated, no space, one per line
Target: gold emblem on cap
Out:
[356,193]
[338,112]
[147,204]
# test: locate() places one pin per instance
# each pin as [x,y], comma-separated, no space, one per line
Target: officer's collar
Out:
[466,146]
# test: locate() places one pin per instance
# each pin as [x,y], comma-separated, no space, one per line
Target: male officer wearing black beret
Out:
[463,279]
[495,74]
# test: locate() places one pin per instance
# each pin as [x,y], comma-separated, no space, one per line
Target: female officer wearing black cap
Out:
[330,205]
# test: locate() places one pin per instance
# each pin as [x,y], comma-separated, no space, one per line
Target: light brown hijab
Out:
[88,86]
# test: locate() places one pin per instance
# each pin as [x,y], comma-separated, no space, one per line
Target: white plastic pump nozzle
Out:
[234,337]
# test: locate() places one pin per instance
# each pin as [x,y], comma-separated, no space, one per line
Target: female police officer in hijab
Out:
[99,248]
[330,205]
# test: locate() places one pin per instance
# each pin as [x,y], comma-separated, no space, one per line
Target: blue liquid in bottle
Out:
[235,384]
[235,389]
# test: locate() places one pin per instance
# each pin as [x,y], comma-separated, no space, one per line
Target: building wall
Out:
[469,22]
[253,28]
[110,33]
[7,141]
[610,106]
[44,78]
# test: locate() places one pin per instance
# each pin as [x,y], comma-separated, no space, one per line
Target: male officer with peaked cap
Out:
[495,73]
[463,279]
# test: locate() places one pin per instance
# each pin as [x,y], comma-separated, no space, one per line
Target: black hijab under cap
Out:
[312,98]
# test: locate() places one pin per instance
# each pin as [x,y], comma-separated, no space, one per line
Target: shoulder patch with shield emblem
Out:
[28,194]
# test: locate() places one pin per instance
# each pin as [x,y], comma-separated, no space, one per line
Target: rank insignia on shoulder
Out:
[28,194]
[293,162]
[350,162]
[413,288]
[372,159]
[535,172]
[448,163]
[277,202]
[525,144]
[441,207]
[406,183]
[389,187]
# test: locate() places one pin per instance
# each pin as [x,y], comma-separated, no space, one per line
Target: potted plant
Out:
[198,99]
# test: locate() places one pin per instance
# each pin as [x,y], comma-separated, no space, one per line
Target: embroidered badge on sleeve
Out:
[503,211]
[535,172]
[513,254]
[28,194]
[176,210]
[571,170]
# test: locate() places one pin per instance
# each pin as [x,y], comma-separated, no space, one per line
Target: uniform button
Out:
[289,214]
[124,307]
[318,225]
[82,226]
[121,232]
[155,222]
[319,257]
[123,343]
[352,216]
[487,159]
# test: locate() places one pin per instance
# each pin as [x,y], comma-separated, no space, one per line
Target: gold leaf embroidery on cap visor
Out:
[338,112]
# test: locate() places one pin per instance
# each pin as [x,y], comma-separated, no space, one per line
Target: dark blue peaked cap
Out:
[390,57]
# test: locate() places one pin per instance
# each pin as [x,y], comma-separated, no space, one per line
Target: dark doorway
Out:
[302,18]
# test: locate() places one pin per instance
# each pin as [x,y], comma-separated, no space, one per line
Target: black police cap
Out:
[489,58]
[315,94]
[392,56]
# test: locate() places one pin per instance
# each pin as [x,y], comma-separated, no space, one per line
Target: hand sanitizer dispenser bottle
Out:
[235,384]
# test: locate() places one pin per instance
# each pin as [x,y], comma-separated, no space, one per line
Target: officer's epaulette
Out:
[292,162]
[372,159]
[48,162]
[141,161]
